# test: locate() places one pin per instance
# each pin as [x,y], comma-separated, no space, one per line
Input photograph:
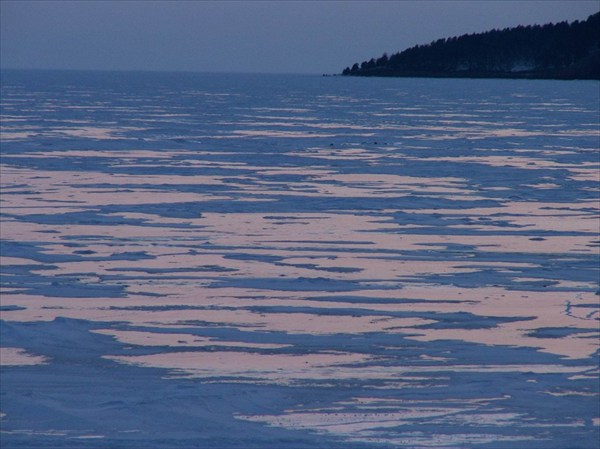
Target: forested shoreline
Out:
[556,51]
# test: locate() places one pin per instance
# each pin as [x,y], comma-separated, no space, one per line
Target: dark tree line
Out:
[562,50]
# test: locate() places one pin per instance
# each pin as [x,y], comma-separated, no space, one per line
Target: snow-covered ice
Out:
[239,261]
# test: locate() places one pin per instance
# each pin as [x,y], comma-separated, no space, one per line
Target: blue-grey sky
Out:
[247,36]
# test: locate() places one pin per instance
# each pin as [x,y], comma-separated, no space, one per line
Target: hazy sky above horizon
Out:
[247,36]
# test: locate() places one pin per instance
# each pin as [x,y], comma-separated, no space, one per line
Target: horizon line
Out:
[117,70]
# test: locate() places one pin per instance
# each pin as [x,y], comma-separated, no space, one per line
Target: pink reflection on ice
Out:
[288,368]
[365,419]
[308,246]
[179,340]
[278,368]
[18,357]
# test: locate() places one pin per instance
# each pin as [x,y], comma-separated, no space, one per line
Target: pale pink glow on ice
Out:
[349,423]
[279,368]
[482,302]
[514,208]
[16,135]
[575,346]
[48,180]
[89,132]
[33,232]
[4,261]
[276,133]
[49,187]
[342,246]
[366,427]
[286,368]
[97,197]
[374,413]
[381,256]
[130,155]
[253,229]
[520,162]
[299,122]
[543,185]
[581,174]
[112,310]
[179,340]
[18,357]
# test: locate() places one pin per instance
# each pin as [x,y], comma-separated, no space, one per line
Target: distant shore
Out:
[552,51]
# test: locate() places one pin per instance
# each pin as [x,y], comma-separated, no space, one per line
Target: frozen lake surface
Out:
[257,261]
